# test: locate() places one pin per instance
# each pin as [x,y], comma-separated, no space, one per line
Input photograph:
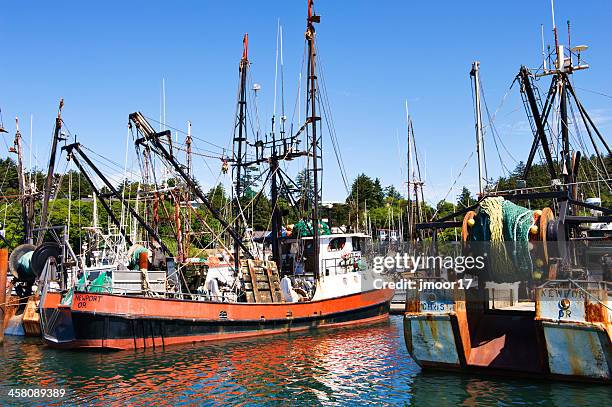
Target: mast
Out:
[188,141]
[409,162]
[312,119]
[272,151]
[476,77]
[50,174]
[417,182]
[240,141]
[187,238]
[562,92]
[567,160]
[24,192]
[276,215]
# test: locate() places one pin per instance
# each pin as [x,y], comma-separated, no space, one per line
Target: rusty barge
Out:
[542,306]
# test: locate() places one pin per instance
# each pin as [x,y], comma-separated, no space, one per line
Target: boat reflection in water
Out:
[333,367]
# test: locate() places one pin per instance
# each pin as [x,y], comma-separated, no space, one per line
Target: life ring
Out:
[344,260]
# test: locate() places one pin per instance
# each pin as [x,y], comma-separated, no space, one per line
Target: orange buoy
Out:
[143,260]
[546,217]
[468,221]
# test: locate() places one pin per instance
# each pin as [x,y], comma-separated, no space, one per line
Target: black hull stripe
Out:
[89,326]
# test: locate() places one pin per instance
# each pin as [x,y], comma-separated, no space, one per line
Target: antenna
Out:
[543,50]
[561,63]
[30,149]
[282,68]
[569,41]
[409,163]
[256,88]
[552,7]
[299,99]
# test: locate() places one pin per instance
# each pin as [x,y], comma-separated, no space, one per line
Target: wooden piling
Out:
[3,274]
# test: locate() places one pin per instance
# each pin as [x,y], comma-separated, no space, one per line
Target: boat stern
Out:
[576,322]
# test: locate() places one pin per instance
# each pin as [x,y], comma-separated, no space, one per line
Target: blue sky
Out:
[107,59]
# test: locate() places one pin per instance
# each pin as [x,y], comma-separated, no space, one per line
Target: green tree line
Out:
[366,193]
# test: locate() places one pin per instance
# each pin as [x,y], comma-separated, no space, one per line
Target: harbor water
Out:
[365,365]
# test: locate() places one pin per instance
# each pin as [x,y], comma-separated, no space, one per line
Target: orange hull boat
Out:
[107,321]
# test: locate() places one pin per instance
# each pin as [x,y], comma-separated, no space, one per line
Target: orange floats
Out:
[468,223]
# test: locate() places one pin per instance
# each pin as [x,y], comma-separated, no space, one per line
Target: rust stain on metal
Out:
[31,318]
[576,355]
[3,271]
[433,327]
[595,312]
[464,328]
[572,355]
[486,352]
[413,306]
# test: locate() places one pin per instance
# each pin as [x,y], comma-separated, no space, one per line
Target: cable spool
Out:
[546,217]
[43,253]
[467,225]
[552,230]
[19,265]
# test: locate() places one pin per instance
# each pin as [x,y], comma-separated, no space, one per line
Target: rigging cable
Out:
[330,125]
[454,183]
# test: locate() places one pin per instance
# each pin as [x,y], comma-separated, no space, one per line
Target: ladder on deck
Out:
[261,281]
[551,142]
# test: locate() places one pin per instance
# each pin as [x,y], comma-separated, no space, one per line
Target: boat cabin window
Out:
[356,244]
[336,244]
[309,248]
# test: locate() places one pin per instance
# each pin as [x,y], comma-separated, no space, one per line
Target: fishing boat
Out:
[310,280]
[27,260]
[542,305]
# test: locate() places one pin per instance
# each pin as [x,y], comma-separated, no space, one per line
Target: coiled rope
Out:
[507,222]
[493,207]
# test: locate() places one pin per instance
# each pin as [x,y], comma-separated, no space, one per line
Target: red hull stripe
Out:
[131,306]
